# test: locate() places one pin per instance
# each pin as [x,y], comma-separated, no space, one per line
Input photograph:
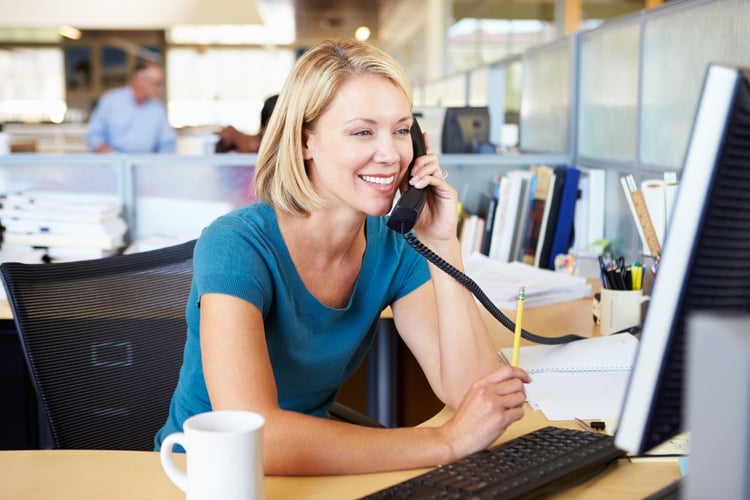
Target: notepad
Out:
[596,354]
[581,379]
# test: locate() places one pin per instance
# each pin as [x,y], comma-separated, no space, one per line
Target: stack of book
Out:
[528,215]
[67,226]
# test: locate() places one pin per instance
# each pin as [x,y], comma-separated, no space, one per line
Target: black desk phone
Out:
[404,214]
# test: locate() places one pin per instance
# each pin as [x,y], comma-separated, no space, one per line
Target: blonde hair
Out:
[281,179]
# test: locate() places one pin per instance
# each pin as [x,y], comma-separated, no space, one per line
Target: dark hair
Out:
[265,113]
[142,64]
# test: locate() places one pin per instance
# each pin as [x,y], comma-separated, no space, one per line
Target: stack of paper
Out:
[583,379]
[500,281]
[70,226]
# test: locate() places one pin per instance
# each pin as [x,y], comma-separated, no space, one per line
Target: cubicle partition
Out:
[640,79]
[166,198]
[620,98]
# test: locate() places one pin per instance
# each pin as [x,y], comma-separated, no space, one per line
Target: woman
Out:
[287,292]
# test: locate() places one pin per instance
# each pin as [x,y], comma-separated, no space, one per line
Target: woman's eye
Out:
[403,131]
[362,133]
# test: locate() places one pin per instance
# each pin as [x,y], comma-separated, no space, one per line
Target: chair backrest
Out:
[103,340]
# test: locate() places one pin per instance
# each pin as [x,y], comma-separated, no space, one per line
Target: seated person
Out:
[287,292]
[132,119]
[231,139]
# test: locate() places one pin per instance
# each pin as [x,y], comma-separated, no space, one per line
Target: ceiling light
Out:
[362,33]
[69,32]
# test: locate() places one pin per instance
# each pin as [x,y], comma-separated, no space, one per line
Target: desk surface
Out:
[82,475]
[5,309]
[88,474]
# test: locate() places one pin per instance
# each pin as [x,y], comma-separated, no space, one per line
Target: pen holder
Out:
[618,310]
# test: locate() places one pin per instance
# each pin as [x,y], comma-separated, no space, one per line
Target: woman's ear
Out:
[306,153]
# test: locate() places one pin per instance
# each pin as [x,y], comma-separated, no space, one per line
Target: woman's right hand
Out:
[490,406]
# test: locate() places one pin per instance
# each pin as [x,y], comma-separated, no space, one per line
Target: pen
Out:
[519,319]
[594,426]
[584,424]
[603,273]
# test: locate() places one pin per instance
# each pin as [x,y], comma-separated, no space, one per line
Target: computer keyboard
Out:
[538,462]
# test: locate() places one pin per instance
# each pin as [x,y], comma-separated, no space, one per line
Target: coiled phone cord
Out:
[471,285]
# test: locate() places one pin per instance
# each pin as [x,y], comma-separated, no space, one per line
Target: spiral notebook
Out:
[582,379]
[595,354]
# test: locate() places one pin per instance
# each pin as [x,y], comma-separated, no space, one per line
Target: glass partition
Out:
[70,173]
[479,86]
[546,96]
[176,199]
[678,44]
[608,92]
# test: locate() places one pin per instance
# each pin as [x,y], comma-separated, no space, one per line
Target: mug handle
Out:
[174,473]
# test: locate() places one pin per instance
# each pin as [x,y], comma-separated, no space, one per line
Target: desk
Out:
[82,475]
[5,309]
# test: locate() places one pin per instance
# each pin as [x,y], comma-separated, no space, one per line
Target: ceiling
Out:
[317,19]
[314,19]
[320,19]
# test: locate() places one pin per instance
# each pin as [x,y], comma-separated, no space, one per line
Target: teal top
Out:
[313,348]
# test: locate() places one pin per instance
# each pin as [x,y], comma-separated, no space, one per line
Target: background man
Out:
[132,119]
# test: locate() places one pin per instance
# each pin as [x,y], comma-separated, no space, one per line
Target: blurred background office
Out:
[223,58]
[608,86]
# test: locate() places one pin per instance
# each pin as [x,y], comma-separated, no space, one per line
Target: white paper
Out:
[584,395]
[500,281]
[583,379]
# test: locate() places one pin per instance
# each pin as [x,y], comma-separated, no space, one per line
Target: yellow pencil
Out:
[519,319]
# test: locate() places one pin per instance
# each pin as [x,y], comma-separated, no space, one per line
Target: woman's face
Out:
[361,146]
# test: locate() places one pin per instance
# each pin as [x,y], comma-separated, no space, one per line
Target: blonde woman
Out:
[287,292]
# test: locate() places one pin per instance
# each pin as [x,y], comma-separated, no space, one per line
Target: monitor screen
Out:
[466,130]
[705,261]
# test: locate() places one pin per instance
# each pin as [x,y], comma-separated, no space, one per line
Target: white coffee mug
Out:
[620,310]
[224,456]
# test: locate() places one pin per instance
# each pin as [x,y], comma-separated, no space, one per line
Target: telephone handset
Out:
[404,214]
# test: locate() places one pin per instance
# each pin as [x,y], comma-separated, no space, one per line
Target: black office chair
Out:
[103,340]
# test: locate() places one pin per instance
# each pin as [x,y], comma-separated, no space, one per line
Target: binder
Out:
[563,235]
[545,178]
[552,209]
[487,204]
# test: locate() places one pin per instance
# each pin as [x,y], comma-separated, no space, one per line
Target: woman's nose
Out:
[387,151]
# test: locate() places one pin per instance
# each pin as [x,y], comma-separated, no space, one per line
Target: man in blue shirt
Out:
[132,119]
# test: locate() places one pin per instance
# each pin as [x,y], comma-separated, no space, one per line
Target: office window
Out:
[218,86]
[32,88]
[473,42]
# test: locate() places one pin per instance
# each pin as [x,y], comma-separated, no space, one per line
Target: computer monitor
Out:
[705,263]
[467,130]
